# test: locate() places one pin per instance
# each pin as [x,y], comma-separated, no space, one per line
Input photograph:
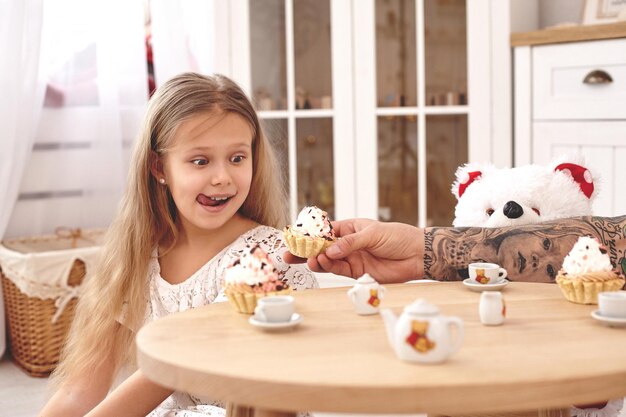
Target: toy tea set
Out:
[421,333]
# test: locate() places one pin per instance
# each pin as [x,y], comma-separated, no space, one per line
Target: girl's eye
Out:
[199,161]
[546,243]
[490,211]
[550,271]
[237,159]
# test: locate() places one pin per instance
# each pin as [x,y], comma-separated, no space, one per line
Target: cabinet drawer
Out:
[558,73]
[603,143]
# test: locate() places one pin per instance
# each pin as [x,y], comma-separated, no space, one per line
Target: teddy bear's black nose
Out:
[512,210]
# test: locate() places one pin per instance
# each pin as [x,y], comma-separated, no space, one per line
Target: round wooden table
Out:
[548,354]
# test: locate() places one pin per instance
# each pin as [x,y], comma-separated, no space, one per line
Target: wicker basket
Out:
[35,341]
[41,279]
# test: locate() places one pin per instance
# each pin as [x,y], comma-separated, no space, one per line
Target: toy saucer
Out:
[610,321]
[485,287]
[295,320]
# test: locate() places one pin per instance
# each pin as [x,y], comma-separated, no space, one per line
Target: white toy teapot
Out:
[366,295]
[422,334]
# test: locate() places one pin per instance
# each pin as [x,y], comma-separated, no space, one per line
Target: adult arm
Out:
[529,252]
[395,252]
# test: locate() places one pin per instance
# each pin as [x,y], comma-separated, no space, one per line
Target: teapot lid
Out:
[421,306]
[366,279]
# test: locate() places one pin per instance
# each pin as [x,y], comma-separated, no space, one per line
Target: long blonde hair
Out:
[147,218]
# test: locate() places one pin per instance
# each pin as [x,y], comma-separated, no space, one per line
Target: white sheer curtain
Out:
[20,103]
[182,37]
[22,94]
[64,164]
[95,61]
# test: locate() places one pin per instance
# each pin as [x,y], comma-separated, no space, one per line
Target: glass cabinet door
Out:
[369,100]
[292,83]
[268,57]
[421,107]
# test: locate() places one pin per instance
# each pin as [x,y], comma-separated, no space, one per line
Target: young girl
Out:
[202,187]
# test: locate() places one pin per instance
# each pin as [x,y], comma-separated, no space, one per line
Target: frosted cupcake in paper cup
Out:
[586,272]
[311,234]
[251,277]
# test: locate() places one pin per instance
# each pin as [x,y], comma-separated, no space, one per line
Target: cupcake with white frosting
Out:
[311,234]
[587,271]
[250,277]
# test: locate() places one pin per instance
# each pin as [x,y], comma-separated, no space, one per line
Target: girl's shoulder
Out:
[268,238]
[272,242]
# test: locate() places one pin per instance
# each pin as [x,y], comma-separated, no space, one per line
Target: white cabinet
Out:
[604,145]
[580,81]
[374,103]
[569,98]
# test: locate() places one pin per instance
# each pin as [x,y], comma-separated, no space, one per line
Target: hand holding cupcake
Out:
[311,234]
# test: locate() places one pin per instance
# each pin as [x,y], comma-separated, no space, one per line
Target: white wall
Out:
[528,15]
[554,12]
[524,15]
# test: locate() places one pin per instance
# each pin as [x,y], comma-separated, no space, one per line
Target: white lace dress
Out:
[205,287]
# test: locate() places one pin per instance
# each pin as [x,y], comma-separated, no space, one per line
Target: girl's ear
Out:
[156,167]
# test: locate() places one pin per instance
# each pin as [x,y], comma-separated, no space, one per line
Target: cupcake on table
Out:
[587,271]
[311,234]
[250,277]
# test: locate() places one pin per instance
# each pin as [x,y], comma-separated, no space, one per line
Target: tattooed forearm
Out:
[428,252]
[612,234]
[529,252]
[445,250]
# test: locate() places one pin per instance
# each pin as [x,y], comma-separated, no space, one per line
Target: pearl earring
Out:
[162,180]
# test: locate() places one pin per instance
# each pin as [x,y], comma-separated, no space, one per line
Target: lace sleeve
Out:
[271,241]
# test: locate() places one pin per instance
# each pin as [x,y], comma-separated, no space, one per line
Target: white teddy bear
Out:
[494,197]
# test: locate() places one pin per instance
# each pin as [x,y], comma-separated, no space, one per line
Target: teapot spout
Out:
[390,320]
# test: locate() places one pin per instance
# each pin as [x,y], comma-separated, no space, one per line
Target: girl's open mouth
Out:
[212,201]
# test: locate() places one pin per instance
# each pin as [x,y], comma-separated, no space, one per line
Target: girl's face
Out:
[208,169]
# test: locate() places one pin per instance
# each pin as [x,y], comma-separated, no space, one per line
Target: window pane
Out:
[276,133]
[445,42]
[446,150]
[396,71]
[312,54]
[267,54]
[397,169]
[315,164]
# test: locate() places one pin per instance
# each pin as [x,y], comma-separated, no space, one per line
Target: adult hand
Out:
[389,252]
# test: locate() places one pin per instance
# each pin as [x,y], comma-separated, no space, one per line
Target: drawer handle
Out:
[598,77]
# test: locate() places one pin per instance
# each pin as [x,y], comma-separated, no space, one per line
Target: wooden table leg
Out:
[234,410]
